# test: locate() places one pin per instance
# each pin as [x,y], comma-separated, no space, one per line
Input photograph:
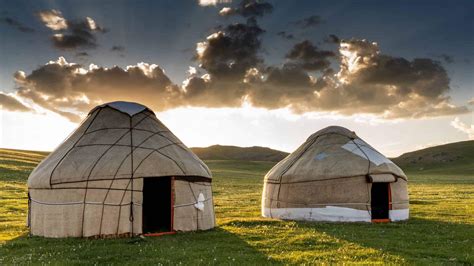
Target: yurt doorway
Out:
[380,201]
[157,200]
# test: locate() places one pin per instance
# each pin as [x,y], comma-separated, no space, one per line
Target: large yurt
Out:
[120,173]
[336,176]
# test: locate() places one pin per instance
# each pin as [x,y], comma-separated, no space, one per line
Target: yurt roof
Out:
[332,153]
[129,108]
[112,140]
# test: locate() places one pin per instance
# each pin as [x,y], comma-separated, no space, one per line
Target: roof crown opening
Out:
[130,108]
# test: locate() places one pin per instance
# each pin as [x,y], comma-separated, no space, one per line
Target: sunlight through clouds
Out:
[213,2]
[468,129]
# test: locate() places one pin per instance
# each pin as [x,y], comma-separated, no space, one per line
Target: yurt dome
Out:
[121,172]
[336,176]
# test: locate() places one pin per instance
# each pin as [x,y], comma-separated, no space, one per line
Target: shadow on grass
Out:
[416,240]
[216,246]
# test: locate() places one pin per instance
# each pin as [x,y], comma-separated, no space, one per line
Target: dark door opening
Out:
[156,209]
[380,201]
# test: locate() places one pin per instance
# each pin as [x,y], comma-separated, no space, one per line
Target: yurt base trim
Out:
[399,215]
[329,213]
[159,234]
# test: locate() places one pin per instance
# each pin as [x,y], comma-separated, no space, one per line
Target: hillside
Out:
[219,152]
[453,158]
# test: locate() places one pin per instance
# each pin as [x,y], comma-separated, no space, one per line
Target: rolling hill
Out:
[219,152]
[453,158]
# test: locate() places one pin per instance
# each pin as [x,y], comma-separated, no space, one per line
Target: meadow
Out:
[440,230]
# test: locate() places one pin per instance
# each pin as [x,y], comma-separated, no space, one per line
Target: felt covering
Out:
[92,183]
[333,168]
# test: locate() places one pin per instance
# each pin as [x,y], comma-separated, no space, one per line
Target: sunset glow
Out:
[238,75]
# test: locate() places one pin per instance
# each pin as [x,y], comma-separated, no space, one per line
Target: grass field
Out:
[440,230]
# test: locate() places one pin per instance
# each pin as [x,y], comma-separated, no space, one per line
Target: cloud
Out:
[367,82]
[117,48]
[53,19]
[392,86]
[16,24]
[281,87]
[10,103]
[448,59]
[230,52]
[471,101]
[70,34]
[332,38]
[309,57]
[82,54]
[232,73]
[469,130]
[309,22]
[212,2]
[70,89]
[285,35]
[248,8]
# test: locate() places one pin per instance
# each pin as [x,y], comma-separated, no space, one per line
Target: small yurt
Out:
[120,173]
[336,176]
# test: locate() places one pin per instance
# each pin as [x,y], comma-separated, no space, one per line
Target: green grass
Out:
[440,230]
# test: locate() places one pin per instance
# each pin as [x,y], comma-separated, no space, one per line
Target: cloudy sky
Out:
[266,73]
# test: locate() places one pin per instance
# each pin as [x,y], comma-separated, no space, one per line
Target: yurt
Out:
[120,173]
[336,176]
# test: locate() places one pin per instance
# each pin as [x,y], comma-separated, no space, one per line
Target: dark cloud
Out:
[117,48]
[229,53]
[16,24]
[9,103]
[333,39]
[70,34]
[309,22]
[309,57]
[285,35]
[205,92]
[367,81]
[393,87]
[72,41]
[248,8]
[82,54]
[448,59]
[281,87]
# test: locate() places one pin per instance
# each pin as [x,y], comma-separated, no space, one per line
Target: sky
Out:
[244,73]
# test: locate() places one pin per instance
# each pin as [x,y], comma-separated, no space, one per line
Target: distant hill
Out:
[453,158]
[219,152]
